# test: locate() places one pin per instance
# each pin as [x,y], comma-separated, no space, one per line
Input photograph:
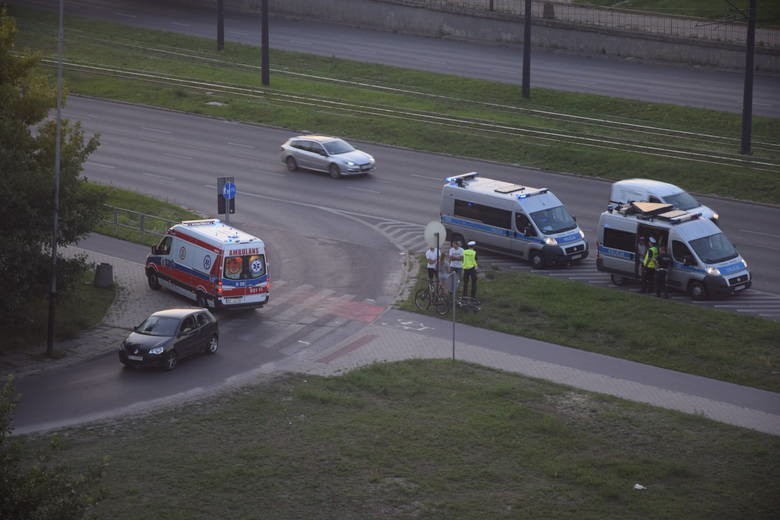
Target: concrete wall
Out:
[504,29]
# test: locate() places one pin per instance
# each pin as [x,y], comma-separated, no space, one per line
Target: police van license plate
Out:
[576,257]
[135,358]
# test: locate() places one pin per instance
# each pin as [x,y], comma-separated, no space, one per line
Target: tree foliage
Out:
[27,169]
[31,486]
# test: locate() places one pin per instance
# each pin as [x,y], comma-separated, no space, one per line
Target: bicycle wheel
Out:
[443,305]
[422,299]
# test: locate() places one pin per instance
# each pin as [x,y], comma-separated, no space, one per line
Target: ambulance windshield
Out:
[246,267]
[553,220]
[714,248]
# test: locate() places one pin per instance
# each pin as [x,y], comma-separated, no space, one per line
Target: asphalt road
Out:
[695,87]
[180,156]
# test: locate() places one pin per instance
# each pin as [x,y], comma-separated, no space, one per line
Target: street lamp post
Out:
[56,212]
[747,97]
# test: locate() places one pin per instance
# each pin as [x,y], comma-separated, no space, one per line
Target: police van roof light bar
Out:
[461,179]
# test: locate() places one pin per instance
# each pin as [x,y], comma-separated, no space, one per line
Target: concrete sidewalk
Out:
[398,335]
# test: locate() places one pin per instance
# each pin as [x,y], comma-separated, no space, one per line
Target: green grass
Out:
[738,349]
[158,215]
[77,310]
[425,439]
[376,87]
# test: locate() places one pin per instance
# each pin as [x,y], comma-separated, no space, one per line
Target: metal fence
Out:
[121,220]
[727,31]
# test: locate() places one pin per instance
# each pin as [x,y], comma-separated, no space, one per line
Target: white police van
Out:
[648,190]
[705,263]
[518,220]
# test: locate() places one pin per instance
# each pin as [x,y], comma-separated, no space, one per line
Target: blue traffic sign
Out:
[229,190]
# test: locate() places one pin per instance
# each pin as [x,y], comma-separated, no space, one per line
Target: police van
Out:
[518,220]
[212,263]
[648,190]
[705,263]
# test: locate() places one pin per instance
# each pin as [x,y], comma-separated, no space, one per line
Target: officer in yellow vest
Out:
[470,269]
[649,262]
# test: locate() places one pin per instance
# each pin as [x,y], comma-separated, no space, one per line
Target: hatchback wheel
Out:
[292,164]
[213,344]
[171,361]
[334,171]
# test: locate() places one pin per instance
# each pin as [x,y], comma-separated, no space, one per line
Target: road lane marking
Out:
[159,130]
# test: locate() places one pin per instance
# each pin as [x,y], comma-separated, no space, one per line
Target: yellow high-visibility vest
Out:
[469,259]
[650,256]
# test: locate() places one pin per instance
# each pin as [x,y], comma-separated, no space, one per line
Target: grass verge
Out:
[425,439]
[642,328]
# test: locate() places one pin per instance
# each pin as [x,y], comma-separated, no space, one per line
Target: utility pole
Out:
[264,65]
[527,51]
[220,24]
[56,215]
[747,97]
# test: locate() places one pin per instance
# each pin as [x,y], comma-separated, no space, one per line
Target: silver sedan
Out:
[326,154]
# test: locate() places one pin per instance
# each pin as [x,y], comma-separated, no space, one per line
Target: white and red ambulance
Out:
[216,265]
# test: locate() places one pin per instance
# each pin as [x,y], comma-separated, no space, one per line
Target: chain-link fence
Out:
[611,19]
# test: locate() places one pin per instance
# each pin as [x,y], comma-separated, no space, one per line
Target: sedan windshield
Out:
[159,326]
[683,200]
[338,146]
[714,248]
[553,220]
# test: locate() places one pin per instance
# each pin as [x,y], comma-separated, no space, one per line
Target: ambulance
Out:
[705,263]
[518,220]
[212,263]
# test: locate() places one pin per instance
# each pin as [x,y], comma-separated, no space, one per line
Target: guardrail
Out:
[126,221]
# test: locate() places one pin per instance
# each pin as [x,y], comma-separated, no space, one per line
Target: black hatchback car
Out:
[167,336]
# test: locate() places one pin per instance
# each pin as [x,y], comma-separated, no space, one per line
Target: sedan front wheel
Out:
[334,171]
[213,345]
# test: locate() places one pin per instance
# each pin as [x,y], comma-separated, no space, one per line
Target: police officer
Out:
[664,263]
[470,269]
[649,262]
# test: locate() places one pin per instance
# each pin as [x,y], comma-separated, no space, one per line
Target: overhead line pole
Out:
[527,51]
[747,97]
[264,65]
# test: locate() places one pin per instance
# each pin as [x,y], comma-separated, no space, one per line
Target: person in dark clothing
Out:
[663,264]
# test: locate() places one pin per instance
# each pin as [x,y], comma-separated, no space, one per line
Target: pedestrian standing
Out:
[455,256]
[470,269]
[663,264]
[649,262]
[432,263]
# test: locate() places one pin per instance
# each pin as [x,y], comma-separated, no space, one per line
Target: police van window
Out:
[164,247]
[523,225]
[618,239]
[247,267]
[491,216]
[553,220]
[680,251]
[714,248]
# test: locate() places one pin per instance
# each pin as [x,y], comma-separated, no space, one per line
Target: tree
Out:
[31,486]
[27,152]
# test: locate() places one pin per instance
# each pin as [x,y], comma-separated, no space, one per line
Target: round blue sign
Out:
[229,190]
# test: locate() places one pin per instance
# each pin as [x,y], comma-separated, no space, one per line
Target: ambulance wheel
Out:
[535,259]
[334,171]
[154,283]
[292,165]
[201,301]
[697,291]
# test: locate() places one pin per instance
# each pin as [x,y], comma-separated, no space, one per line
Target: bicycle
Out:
[433,295]
[466,303]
